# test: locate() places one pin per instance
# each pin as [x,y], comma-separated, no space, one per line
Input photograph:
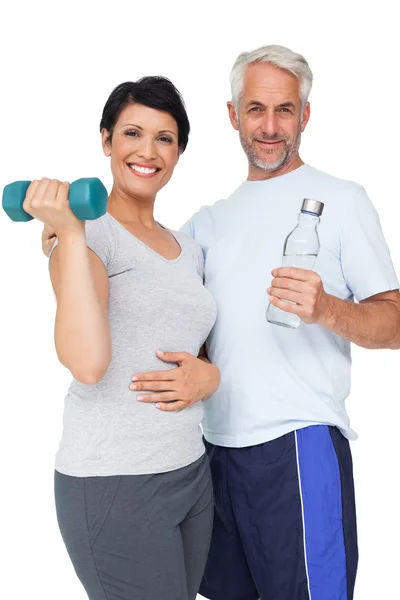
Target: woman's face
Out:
[144,150]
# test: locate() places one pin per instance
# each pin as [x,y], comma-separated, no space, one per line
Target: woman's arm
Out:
[80,282]
[82,333]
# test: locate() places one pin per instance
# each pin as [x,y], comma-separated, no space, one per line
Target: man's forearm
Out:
[203,355]
[374,324]
[215,379]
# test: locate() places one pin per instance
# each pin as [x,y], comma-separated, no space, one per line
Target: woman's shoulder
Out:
[104,229]
[103,223]
[101,238]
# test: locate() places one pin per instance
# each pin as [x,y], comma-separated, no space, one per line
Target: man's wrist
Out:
[215,378]
[331,312]
[204,359]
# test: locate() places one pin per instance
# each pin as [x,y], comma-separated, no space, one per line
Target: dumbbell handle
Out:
[87,198]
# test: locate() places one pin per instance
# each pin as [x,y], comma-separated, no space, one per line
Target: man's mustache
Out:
[268,138]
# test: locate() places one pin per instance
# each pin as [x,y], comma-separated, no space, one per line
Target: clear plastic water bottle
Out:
[300,250]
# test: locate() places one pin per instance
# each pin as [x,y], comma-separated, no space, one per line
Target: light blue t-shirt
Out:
[276,380]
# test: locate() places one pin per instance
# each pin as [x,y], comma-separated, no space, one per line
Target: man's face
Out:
[270,118]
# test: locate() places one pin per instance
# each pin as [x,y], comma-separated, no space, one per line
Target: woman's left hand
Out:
[193,380]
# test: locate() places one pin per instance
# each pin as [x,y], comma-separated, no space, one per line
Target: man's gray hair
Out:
[280,57]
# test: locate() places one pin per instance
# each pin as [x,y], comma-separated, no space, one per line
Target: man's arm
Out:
[193,380]
[203,355]
[373,323]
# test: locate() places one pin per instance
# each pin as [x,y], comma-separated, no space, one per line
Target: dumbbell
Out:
[87,198]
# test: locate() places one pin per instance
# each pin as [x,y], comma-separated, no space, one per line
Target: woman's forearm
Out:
[82,333]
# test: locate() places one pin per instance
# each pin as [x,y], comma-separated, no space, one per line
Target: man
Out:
[277,431]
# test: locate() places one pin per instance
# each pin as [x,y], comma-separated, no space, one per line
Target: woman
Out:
[132,482]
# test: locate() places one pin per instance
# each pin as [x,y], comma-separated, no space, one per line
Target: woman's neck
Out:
[129,209]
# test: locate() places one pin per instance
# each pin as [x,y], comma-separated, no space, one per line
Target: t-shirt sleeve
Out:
[200,260]
[188,229]
[365,257]
[100,239]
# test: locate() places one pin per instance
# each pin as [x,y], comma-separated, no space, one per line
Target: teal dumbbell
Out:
[87,198]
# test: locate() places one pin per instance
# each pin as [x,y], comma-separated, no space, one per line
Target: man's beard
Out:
[285,155]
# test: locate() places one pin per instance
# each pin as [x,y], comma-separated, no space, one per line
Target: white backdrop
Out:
[59,63]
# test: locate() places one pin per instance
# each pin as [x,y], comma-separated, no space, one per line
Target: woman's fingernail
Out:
[134,378]
[139,398]
[158,405]
[132,386]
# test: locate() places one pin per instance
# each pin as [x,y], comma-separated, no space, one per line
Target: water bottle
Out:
[300,250]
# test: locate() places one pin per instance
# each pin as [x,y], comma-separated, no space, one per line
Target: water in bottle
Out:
[300,250]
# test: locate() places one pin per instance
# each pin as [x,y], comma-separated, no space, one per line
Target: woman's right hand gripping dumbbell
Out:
[47,201]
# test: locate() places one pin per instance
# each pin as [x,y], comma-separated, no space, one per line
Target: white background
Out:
[59,63]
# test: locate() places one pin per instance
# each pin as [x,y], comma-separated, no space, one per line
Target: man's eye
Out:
[255,109]
[284,109]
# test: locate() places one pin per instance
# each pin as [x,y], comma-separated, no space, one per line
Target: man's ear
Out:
[306,116]
[233,116]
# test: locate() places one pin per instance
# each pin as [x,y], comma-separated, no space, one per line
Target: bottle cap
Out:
[313,206]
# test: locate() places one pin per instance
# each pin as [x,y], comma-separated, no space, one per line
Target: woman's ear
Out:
[105,142]
[179,154]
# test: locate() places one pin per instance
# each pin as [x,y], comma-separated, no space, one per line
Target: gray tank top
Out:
[154,304]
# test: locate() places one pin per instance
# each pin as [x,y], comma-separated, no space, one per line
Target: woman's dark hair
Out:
[154,92]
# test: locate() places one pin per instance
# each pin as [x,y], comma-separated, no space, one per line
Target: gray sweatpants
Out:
[138,537]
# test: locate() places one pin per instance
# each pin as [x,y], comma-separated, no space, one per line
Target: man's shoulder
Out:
[204,225]
[208,213]
[215,207]
[205,216]
[333,182]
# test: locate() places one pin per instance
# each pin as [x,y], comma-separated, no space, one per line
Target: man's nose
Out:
[269,124]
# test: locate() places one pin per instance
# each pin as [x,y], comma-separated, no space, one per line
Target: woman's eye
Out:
[165,138]
[131,132]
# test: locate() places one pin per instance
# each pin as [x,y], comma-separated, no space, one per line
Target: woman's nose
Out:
[147,149]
